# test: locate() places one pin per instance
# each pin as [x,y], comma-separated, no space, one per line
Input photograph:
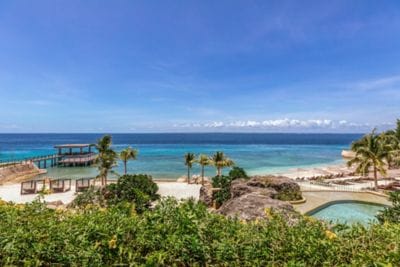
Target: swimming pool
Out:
[348,212]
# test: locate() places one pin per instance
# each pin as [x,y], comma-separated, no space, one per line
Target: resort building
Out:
[70,155]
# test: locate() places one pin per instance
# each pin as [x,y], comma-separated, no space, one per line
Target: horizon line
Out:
[183,133]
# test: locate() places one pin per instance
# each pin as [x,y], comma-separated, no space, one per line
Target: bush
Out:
[138,189]
[224,183]
[92,196]
[391,214]
[237,173]
[128,186]
[184,234]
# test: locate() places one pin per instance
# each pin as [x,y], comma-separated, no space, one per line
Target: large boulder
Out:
[242,187]
[206,194]
[254,206]
[286,188]
[255,198]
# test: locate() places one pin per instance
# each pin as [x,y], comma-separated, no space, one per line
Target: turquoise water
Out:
[161,155]
[349,213]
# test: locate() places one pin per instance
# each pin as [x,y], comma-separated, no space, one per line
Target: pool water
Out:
[348,212]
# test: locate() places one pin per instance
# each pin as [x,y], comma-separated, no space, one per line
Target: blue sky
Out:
[156,66]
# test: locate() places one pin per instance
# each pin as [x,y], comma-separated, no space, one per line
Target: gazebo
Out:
[70,155]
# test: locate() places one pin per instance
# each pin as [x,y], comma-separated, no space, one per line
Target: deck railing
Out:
[27,159]
[331,186]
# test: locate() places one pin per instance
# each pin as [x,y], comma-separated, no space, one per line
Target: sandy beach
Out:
[11,192]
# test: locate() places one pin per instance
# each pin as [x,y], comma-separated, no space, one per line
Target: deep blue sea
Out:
[161,155]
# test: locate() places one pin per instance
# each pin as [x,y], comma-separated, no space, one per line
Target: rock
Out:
[286,188]
[241,187]
[250,198]
[253,206]
[206,194]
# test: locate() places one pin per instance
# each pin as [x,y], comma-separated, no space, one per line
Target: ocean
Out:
[161,155]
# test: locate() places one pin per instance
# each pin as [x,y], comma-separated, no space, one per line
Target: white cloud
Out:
[282,125]
[382,83]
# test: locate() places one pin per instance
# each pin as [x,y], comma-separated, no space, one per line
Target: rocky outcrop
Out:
[286,188]
[255,198]
[206,194]
[254,206]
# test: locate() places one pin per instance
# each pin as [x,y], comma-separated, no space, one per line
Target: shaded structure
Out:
[70,155]
[60,185]
[83,184]
[32,187]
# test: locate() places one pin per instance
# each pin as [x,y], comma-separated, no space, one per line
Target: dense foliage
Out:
[223,183]
[237,172]
[377,153]
[289,194]
[392,213]
[138,189]
[183,234]
[106,158]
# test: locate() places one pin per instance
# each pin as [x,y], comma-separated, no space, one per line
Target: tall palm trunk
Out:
[125,170]
[375,178]
[202,174]
[188,175]
[218,171]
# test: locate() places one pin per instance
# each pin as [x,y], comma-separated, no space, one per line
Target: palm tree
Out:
[392,139]
[371,152]
[128,154]
[189,160]
[203,160]
[106,158]
[220,161]
[106,163]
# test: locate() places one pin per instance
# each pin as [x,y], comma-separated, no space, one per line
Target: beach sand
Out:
[11,192]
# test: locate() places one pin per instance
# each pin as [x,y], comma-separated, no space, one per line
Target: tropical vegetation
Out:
[138,190]
[183,234]
[238,172]
[392,213]
[220,161]
[106,158]
[376,153]
[190,158]
[126,155]
[203,160]
[223,183]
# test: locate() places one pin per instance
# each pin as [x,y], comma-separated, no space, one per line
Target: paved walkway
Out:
[316,199]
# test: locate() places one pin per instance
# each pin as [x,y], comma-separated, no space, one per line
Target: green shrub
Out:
[224,183]
[92,196]
[138,189]
[289,195]
[237,173]
[128,186]
[391,214]
[184,234]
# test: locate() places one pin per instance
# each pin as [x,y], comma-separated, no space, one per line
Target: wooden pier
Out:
[69,155]
[41,162]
